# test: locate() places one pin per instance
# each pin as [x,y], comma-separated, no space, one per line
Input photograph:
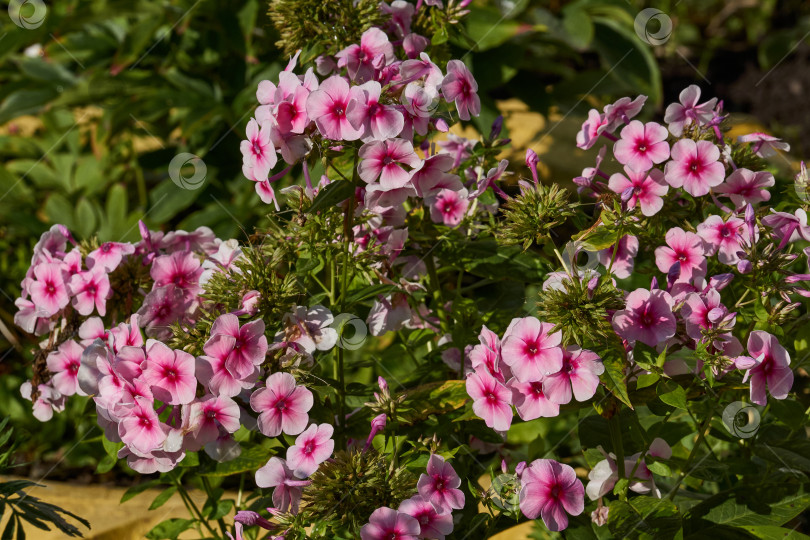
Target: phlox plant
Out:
[424,343]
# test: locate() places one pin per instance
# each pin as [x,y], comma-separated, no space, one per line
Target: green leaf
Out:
[597,239]
[488,28]
[763,505]
[613,378]
[138,489]
[660,468]
[163,497]
[768,532]
[644,517]
[646,379]
[106,464]
[578,26]
[629,61]
[170,529]
[8,532]
[672,393]
[13,486]
[111,448]
[792,454]
[434,398]
[331,195]
[250,459]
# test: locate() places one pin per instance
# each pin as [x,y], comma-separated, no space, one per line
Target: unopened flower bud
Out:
[744,266]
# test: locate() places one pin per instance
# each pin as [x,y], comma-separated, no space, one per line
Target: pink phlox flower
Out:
[222,261]
[287,492]
[647,317]
[141,429]
[258,153]
[423,68]
[90,289]
[684,248]
[430,176]
[181,269]
[210,413]
[485,181]
[768,366]
[624,259]
[449,207]
[592,128]
[724,238]
[126,334]
[621,111]
[432,523]
[64,363]
[170,373]
[580,374]
[388,524]
[282,406]
[491,399]
[212,369]
[414,44]
[439,485]
[328,106]
[401,13]
[746,187]
[788,227]
[377,121]
[162,307]
[644,188]
[688,111]
[311,448]
[551,490]
[487,355]
[460,86]
[695,166]
[109,255]
[150,462]
[48,291]
[389,314]
[530,400]
[48,401]
[363,60]
[531,350]
[309,328]
[604,474]
[642,145]
[91,330]
[384,160]
[764,145]
[250,343]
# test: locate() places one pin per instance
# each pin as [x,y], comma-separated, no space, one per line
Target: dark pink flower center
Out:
[50,287]
[281,404]
[106,247]
[438,483]
[491,397]
[257,148]
[73,366]
[309,447]
[695,165]
[170,373]
[338,109]
[144,421]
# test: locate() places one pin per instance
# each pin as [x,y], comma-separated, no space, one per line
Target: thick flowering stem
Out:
[192,507]
[348,219]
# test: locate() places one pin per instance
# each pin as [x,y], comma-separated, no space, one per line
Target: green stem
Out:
[192,507]
[209,490]
[685,471]
[344,289]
